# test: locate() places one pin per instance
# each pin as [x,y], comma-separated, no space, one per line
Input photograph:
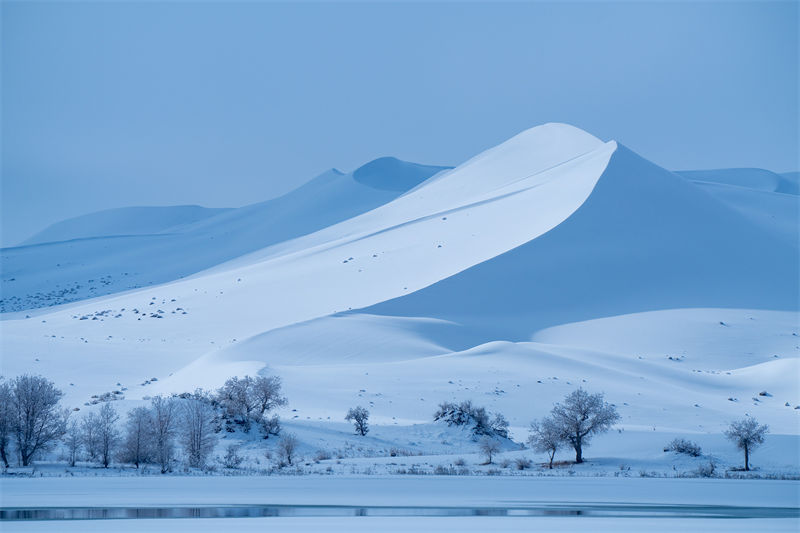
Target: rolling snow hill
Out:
[123,221]
[122,249]
[550,261]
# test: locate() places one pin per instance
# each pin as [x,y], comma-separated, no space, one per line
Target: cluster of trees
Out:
[31,422]
[582,415]
[150,434]
[477,418]
[573,422]
[249,400]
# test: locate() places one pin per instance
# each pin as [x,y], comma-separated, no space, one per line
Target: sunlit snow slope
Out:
[509,277]
[111,251]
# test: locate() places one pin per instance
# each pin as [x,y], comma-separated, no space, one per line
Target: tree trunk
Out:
[578,452]
[3,456]
[746,459]
[552,454]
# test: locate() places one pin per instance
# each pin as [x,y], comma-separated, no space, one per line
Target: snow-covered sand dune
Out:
[123,222]
[550,261]
[112,251]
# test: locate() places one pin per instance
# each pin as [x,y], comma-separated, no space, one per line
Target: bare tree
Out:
[546,437]
[287,447]
[238,400]
[91,435]
[108,434]
[37,420]
[489,447]
[197,430]
[266,391]
[581,416]
[748,435]
[359,416]
[6,421]
[73,440]
[163,414]
[137,444]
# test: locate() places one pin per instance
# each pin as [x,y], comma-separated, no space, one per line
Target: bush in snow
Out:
[499,426]
[466,414]
[748,435]
[270,425]
[708,470]
[685,447]
[359,416]
[322,455]
[522,463]
[232,458]
[489,447]
[581,416]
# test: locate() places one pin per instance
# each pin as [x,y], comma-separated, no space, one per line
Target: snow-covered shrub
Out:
[270,426]
[466,414]
[685,447]
[708,470]
[322,455]
[232,458]
[441,470]
[522,463]
[249,399]
[499,425]
[399,452]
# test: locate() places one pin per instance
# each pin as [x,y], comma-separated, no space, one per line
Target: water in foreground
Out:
[423,503]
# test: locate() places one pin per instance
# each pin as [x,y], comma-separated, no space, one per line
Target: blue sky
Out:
[220,104]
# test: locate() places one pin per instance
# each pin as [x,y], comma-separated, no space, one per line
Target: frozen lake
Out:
[263,511]
[420,503]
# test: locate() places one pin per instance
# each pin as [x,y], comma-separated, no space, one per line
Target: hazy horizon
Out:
[109,105]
